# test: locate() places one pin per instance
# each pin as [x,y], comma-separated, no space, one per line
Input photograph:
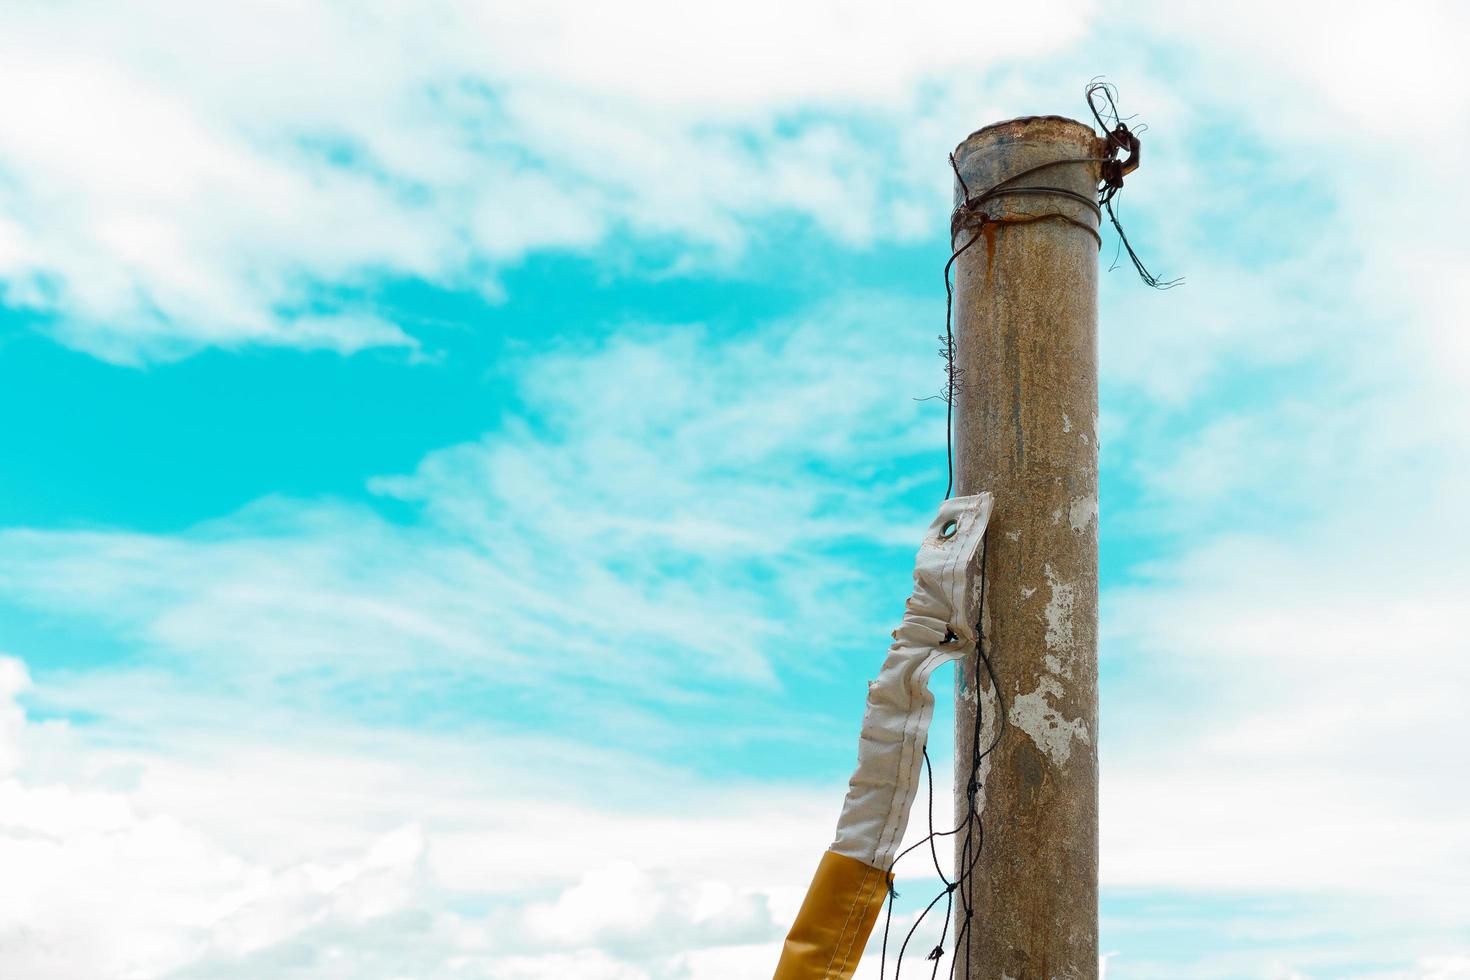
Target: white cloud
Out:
[1373,68]
[622,905]
[177,176]
[99,884]
[1298,637]
[269,859]
[13,680]
[1314,724]
[357,854]
[221,180]
[1443,968]
[1300,644]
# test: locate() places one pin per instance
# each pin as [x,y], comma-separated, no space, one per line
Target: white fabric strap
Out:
[900,705]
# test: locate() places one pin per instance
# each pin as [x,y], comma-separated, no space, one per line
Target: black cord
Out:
[971,847]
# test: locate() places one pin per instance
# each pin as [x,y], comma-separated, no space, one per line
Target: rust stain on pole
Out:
[1026,428]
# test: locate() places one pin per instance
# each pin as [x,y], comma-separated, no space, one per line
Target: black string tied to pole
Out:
[1119,138]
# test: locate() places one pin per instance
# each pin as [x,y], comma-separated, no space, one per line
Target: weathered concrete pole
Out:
[1026,428]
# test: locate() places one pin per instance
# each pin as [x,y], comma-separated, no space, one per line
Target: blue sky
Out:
[460,470]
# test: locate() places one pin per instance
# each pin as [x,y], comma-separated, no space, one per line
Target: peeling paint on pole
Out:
[1026,411]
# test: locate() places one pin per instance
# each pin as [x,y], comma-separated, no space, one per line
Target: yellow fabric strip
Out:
[836,918]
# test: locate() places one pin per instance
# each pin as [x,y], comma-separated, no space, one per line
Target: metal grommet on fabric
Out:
[949,529]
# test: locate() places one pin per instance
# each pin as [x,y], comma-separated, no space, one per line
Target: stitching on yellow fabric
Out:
[861,902]
[850,909]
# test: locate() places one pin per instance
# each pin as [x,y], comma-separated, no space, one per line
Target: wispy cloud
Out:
[175,179]
[666,512]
